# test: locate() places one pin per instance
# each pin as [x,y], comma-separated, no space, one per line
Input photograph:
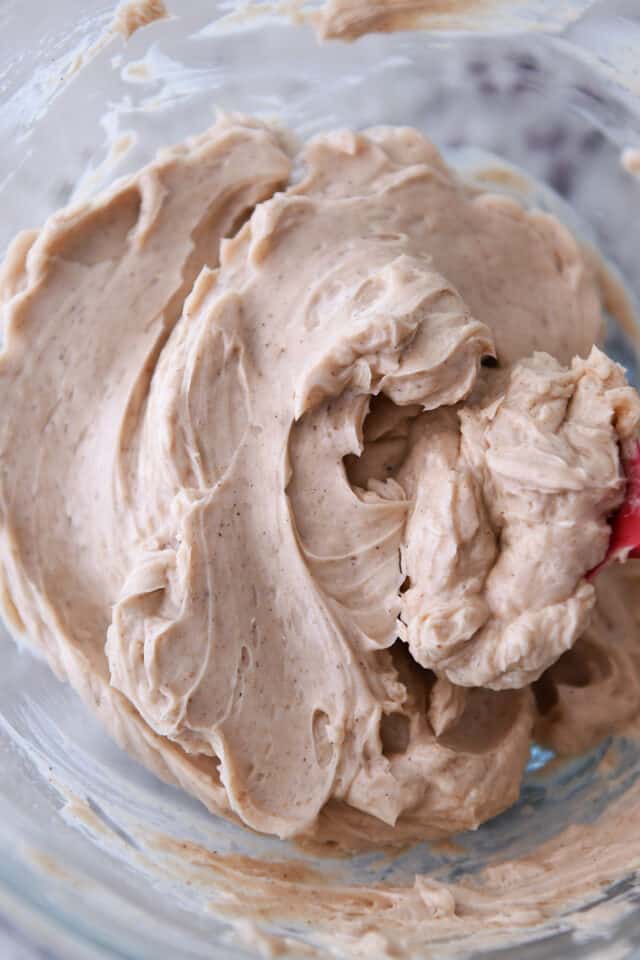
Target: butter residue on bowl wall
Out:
[135,14]
[347,20]
[630,160]
[270,903]
[350,19]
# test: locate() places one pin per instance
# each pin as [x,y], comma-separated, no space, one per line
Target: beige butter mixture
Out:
[300,484]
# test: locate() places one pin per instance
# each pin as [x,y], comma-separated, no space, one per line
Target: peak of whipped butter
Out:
[263,505]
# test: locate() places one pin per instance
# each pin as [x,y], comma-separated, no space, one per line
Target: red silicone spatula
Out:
[625,526]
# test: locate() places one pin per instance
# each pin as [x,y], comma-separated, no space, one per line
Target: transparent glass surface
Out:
[77,817]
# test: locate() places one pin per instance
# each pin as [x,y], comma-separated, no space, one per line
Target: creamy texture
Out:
[594,688]
[537,471]
[298,547]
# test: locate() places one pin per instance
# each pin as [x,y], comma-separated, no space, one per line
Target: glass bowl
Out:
[98,857]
